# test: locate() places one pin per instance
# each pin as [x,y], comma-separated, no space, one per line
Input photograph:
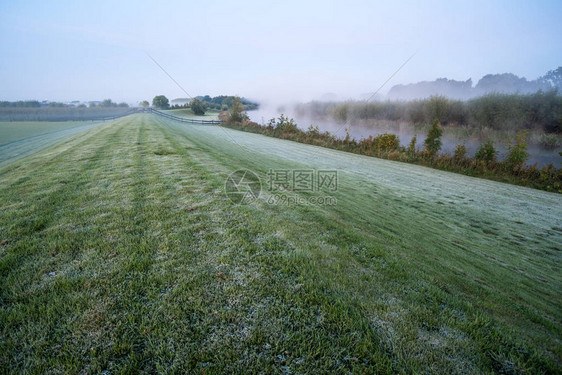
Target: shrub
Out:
[198,107]
[236,114]
[347,138]
[381,143]
[460,152]
[486,152]
[412,146]
[433,140]
[285,125]
[313,131]
[437,108]
[386,142]
[517,154]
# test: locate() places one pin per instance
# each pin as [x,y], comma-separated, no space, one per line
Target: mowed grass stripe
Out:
[266,269]
[148,266]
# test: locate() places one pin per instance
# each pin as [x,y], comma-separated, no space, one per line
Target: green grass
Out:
[119,251]
[20,139]
[15,131]
[60,113]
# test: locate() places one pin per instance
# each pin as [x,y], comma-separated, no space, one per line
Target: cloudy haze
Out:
[290,50]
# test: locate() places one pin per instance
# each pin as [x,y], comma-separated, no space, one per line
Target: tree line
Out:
[106,103]
[506,83]
[541,110]
[200,104]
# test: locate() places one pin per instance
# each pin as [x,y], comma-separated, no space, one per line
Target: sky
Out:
[270,52]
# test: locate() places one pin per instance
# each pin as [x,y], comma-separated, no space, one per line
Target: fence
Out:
[180,119]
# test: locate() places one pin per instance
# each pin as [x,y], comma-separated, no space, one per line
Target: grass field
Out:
[19,139]
[120,252]
[61,113]
[15,131]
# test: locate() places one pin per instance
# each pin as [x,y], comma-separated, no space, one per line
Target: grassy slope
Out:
[120,251]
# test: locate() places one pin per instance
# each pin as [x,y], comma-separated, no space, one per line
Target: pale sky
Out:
[289,50]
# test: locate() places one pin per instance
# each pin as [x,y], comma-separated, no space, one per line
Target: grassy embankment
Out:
[387,146]
[119,251]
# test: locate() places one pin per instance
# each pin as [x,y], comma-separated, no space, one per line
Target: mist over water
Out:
[404,131]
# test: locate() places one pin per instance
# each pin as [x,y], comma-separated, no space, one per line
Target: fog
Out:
[405,131]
